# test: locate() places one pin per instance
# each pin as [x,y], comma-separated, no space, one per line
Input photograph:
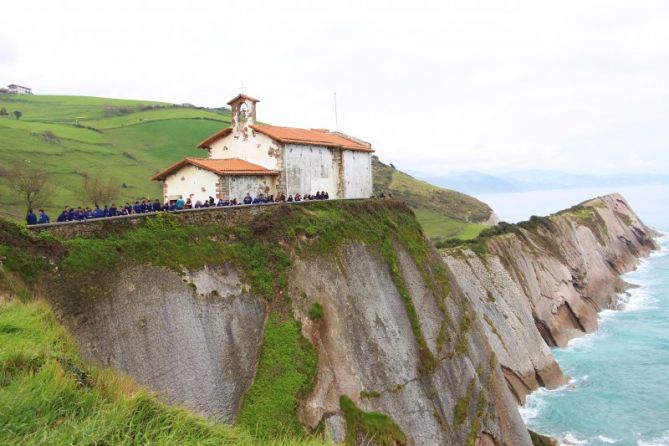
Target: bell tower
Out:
[243,110]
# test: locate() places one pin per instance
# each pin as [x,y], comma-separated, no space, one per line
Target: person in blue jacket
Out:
[43,217]
[248,199]
[157,207]
[97,213]
[111,212]
[31,218]
[137,208]
[180,203]
[63,216]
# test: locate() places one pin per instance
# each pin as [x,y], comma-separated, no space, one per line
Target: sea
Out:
[619,388]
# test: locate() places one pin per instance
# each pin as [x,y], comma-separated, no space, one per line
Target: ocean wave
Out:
[572,438]
[663,440]
[575,438]
[583,342]
[637,299]
[534,404]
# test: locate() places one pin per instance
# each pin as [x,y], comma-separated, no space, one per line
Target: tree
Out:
[17,114]
[30,184]
[3,111]
[97,191]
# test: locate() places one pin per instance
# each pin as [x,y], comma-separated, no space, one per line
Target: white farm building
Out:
[255,158]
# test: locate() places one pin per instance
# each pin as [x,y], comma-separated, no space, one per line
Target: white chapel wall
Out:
[191,182]
[254,185]
[258,149]
[309,169]
[357,174]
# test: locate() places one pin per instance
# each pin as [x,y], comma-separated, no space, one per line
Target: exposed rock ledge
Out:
[549,280]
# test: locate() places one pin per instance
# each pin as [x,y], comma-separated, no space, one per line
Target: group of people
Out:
[151,206]
[260,198]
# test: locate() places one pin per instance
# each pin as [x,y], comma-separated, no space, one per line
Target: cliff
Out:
[338,316]
[542,282]
[335,316]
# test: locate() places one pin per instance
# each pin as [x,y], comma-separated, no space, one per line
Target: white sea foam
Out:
[583,342]
[604,439]
[663,440]
[640,300]
[572,438]
[533,406]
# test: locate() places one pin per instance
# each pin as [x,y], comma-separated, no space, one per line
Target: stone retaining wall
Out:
[221,215]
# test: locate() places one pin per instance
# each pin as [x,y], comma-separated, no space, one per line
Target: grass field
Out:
[49,396]
[130,140]
[440,227]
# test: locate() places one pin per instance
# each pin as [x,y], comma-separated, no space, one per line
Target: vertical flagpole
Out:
[335,108]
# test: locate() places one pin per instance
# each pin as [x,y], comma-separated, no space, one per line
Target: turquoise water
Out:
[619,392]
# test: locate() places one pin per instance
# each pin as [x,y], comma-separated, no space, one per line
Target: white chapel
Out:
[248,157]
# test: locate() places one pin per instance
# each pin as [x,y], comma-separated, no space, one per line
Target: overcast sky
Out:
[438,86]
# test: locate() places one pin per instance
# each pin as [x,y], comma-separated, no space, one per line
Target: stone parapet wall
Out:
[227,215]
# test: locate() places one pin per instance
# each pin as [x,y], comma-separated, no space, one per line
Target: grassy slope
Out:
[49,396]
[129,148]
[443,213]
[131,144]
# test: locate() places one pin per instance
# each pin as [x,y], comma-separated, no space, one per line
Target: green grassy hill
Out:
[130,140]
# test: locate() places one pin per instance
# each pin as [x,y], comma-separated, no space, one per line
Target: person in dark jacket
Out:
[97,213]
[43,217]
[157,206]
[63,216]
[31,218]
[111,212]
[137,208]
[248,199]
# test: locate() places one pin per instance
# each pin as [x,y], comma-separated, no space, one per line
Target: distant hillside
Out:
[531,180]
[443,213]
[130,140]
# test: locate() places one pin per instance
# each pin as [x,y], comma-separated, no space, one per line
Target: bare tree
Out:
[97,191]
[30,184]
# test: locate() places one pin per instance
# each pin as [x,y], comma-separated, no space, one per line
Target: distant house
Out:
[18,89]
[248,157]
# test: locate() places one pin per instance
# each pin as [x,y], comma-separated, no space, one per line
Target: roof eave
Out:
[205,144]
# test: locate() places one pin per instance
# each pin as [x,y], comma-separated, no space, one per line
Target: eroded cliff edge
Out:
[340,315]
[542,282]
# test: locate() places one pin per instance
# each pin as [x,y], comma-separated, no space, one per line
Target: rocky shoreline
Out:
[541,285]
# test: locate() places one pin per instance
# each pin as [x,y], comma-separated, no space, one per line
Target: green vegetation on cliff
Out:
[130,140]
[369,427]
[285,373]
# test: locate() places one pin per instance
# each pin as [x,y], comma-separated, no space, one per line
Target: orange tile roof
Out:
[216,136]
[316,137]
[290,135]
[229,166]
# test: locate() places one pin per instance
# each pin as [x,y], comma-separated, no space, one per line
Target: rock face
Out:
[365,345]
[194,339]
[549,280]
[444,345]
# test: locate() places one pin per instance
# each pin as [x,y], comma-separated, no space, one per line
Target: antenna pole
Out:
[336,117]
